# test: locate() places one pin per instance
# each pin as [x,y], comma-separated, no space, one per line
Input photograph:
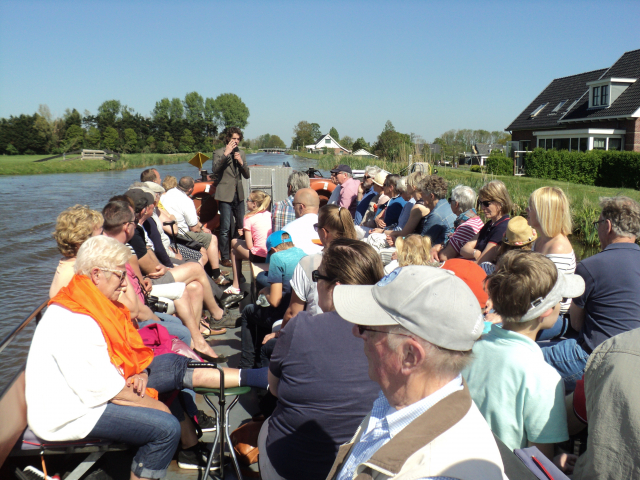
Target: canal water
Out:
[29,206]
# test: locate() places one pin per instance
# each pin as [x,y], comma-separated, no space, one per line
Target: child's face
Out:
[550,321]
[251,205]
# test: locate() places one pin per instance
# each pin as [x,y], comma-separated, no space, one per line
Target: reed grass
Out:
[584,199]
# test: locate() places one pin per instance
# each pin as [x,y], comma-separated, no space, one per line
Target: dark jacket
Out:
[227,174]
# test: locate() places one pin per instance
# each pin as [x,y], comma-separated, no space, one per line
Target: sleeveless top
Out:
[566,263]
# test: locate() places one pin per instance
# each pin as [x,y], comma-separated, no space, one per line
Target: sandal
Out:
[232,290]
[211,331]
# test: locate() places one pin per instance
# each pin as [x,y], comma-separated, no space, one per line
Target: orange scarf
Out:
[126,350]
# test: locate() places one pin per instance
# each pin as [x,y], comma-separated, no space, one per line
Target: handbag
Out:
[245,441]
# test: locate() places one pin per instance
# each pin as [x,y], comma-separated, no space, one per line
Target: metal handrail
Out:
[37,314]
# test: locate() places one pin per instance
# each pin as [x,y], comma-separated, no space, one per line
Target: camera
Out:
[156,305]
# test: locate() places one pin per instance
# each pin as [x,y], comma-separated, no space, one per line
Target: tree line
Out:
[175,125]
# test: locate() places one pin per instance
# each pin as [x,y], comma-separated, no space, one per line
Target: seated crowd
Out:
[423,328]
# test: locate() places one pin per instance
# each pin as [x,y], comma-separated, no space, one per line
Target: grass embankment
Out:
[584,199]
[27,165]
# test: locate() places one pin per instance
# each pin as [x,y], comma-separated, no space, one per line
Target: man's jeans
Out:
[229,210]
[569,359]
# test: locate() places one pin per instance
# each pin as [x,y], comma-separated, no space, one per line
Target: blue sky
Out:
[426,66]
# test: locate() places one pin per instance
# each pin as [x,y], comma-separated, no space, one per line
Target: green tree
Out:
[303,134]
[161,111]
[44,126]
[108,114]
[334,134]
[130,140]
[390,143]
[230,111]
[275,142]
[193,107]
[360,143]
[151,143]
[74,137]
[176,110]
[92,138]
[347,142]
[72,117]
[110,138]
[11,150]
[316,133]
[168,146]
[187,141]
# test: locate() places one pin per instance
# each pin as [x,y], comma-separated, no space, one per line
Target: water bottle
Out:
[262,301]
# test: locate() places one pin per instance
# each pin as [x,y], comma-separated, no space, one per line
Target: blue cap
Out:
[276,239]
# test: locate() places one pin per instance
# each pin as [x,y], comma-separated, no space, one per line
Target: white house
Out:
[363,153]
[326,141]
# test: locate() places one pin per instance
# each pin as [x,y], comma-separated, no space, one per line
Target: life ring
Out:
[206,205]
[323,187]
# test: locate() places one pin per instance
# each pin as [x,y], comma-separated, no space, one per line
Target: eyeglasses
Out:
[486,203]
[595,224]
[120,273]
[317,227]
[250,201]
[315,276]
[367,177]
[362,329]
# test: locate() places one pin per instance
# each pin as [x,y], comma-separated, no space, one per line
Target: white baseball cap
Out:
[567,285]
[429,302]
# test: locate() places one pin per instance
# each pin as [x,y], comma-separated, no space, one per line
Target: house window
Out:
[584,144]
[561,143]
[599,143]
[596,97]
[526,145]
[574,144]
[541,143]
[615,144]
[604,95]
[327,140]
[538,110]
[549,144]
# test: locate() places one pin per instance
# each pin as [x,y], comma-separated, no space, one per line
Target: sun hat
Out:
[274,240]
[342,168]
[519,233]
[140,198]
[430,302]
[154,187]
[568,285]
[380,178]
[470,273]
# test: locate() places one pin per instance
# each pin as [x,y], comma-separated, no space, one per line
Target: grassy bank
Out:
[27,165]
[584,199]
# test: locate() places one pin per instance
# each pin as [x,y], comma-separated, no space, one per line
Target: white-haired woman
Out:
[89,374]
[467,225]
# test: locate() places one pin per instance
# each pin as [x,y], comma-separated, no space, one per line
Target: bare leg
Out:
[210,377]
[204,258]
[239,252]
[188,437]
[184,311]
[195,294]
[190,272]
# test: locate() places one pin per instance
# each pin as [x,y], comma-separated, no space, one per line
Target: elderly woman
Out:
[73,227]
[321,402]
[550,215]
[495,202]
[438,225]
[467,224]
[389,216]
[417,211]
[88,373]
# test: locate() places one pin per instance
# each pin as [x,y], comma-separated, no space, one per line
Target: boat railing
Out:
[35,315]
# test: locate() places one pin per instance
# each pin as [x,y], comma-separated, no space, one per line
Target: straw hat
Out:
[380,178]
[519,233]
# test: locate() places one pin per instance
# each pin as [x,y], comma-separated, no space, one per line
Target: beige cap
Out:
[380,178]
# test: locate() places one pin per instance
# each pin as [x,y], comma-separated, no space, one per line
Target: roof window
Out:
[539,109]
[559,106]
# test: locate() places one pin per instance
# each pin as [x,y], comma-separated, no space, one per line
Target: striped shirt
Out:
[386,422]
[465,232]
[566,263]
[283,213]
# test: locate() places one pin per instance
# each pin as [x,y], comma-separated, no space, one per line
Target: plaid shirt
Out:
[283,213]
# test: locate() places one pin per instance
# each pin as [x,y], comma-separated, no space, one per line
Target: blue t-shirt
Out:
[438,224]
[611,298]
[282,265]
[361,209]
[519,394]
[394,209]
[324,392]
[405,214]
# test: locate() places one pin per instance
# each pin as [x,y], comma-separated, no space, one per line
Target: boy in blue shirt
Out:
[518,393]
[283,257]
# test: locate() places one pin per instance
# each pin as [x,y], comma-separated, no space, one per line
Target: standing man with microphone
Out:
[229,166]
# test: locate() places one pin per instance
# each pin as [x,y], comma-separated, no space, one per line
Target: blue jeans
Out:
[256,323]
[558,330]
[173,325]
[156,434]
[569,359]
[229,210]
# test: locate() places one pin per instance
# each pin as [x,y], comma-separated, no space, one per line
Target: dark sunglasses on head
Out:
[315,276]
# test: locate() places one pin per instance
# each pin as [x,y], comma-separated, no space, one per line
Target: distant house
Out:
[481,151]
[363,153]
[598,110]
[326,141]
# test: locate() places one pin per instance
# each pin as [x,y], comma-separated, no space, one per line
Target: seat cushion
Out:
[227,391]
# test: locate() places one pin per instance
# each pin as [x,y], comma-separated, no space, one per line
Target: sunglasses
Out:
[317,227]
[120,273]
[362,329]
[597,222]
[486,203]
[315,276]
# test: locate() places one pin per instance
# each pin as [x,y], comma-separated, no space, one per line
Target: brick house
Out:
[594,110]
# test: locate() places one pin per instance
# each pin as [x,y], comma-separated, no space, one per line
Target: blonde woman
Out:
[550,215]
[257,227]
[495,203]
[418,213]
[73,227]
[411,250]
